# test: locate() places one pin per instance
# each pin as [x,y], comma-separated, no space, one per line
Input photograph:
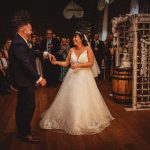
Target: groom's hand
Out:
[51,57]
[42,82]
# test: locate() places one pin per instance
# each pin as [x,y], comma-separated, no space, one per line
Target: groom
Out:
[23,76]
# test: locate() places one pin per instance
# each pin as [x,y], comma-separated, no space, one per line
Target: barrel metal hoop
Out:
[122,78]
[121,94]
[122,74]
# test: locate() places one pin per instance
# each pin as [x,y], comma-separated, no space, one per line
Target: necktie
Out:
[48,43]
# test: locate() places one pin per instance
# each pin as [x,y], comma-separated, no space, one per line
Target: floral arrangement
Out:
[144,51]
[115,22]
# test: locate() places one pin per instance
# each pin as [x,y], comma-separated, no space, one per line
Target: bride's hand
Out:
[74,66]
[54,62]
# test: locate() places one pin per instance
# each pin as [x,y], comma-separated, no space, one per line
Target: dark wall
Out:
[49,13]
[118,7]
[45,13]
[144,6]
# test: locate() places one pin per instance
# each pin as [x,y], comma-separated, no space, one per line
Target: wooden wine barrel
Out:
[122,85]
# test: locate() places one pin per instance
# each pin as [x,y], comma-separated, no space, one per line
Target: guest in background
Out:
[5,51]
[50,72]
[109,61]
[64,47]
[6,47]
[38,59]
[4,82]
[98,48]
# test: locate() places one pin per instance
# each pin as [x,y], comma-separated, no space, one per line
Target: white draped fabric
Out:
[105,22]
[103,4]
[134,8]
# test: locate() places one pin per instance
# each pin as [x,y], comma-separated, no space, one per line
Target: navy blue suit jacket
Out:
[22,70]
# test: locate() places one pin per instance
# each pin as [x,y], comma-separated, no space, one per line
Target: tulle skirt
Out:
[79,107]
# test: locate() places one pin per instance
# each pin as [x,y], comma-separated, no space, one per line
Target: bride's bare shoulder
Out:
[88,48]
[71,49]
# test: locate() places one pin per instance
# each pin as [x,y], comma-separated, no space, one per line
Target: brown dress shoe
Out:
[31,139]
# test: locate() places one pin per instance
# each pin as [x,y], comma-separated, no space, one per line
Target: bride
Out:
[79,107]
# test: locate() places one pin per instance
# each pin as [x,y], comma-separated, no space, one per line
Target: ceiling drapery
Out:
[103,4]
[134,8]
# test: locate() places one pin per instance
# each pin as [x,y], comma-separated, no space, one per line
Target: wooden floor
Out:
[129,131]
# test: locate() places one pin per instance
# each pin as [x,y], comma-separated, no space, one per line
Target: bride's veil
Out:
[95,68]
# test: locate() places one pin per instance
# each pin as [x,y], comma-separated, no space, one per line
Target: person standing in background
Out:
[51,45]
[63,54]
[4,82]
[98,48]
[38,59]
[109,61]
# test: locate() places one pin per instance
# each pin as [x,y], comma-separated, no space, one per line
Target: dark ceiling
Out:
[44,6]
[46,13]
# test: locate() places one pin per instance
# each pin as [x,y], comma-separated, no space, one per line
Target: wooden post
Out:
[117,54]
[135,48]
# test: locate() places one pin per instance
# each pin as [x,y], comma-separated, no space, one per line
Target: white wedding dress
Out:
[78,107]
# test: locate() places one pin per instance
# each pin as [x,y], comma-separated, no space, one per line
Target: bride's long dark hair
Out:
[82,37]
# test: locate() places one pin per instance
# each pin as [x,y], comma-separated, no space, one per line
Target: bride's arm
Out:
[64,63]
[88,64]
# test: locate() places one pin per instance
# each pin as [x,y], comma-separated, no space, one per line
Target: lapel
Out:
[29,50]
[22,40]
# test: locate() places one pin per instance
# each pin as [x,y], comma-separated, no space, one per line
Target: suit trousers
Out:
[25,109]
